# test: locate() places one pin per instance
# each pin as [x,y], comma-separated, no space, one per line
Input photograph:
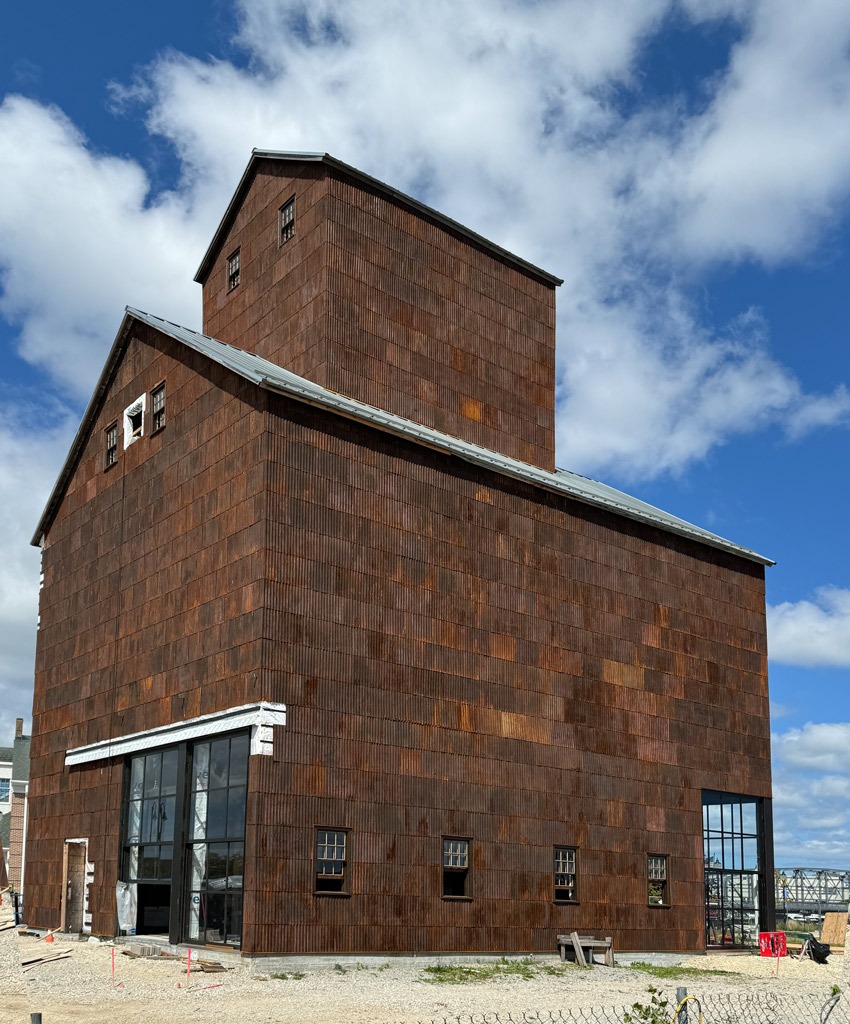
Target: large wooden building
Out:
[332,658]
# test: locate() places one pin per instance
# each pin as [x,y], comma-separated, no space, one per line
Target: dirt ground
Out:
[81,987]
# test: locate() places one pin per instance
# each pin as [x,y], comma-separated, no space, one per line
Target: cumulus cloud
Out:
[82,239]
[811,632]
[811,793]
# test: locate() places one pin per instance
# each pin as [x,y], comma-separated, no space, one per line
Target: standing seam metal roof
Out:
[274,378]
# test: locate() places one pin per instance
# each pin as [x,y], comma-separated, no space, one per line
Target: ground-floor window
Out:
[183,843]
[737,906]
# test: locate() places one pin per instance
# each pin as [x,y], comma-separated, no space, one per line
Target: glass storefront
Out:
[184,837]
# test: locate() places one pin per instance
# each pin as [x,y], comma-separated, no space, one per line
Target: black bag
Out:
[819,951]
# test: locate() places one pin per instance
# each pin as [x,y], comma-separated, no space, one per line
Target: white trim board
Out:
[260,718]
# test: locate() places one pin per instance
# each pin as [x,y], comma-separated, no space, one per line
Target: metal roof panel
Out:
[592,492]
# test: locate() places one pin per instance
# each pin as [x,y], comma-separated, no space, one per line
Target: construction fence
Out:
[666,1008]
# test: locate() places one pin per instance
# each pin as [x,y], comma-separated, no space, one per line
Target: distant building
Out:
[332,658]
[14,765]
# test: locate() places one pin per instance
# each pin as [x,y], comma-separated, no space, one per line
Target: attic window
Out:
[157,408]
[286,221]
[110,456]
[134,420]
[233,264]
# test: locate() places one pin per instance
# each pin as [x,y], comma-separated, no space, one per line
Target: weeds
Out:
[340,969]
[464,974]
[674,972]
[293,976]
[653,1012]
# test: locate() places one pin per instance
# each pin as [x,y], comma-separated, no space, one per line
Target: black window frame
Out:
[110,452]
[564,892]
[157,412]
[286,222]
[331,882]
[456,876]
[234,268]
[657,885]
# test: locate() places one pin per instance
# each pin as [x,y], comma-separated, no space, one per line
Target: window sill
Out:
[111,465]
[658,906]
[457,899]
[158,430]
[566,903]
[333,895]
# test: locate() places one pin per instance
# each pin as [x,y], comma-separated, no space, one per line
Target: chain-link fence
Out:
[661,1008]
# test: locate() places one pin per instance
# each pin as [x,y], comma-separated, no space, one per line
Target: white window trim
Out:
[139,406]
[260,718]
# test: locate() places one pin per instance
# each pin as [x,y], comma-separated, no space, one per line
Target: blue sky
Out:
[684,165]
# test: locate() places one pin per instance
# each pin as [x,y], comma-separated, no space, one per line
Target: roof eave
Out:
[400,197]
[80,437]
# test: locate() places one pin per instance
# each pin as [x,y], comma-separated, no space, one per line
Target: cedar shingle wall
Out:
[386,306]
[151,609]
[461,655]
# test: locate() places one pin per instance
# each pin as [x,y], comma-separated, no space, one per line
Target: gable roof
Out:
[274,378]
[391,193]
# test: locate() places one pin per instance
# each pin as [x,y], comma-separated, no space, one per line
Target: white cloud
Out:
[83,238]
[811,792]
[821,746]
[766,167]
[811,633]
[29,462]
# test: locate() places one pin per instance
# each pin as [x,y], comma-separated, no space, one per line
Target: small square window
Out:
[657,882]
[158,408]
[233,267]
[455,867]
[565,874]
[331,860]
[110,456]
[286,221]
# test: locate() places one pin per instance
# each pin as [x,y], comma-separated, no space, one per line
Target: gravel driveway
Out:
[154,991]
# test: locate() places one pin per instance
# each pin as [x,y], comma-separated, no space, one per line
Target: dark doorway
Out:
[153,909]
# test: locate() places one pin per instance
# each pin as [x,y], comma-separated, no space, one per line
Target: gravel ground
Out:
[81,988]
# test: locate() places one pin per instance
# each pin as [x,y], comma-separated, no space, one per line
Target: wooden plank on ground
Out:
[578,950]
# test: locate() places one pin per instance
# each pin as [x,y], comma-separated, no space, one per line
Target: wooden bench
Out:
[584,946]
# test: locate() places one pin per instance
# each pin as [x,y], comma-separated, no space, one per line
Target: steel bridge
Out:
[812,890]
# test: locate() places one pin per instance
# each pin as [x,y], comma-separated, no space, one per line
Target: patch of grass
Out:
[557,970]
[464,974]
[836,990]
[674,972]
[340,969]
[293,976]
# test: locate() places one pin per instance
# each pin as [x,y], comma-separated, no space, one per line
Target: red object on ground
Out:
[772,944]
